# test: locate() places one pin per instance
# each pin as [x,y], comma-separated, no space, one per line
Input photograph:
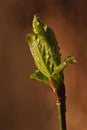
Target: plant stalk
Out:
[61,107]
[61,103]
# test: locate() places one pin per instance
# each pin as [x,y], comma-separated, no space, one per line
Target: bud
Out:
[45,51]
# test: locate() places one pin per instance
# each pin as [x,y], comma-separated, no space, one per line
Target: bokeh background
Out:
[29,105]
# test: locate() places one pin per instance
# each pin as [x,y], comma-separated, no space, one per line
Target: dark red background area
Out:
[29,105]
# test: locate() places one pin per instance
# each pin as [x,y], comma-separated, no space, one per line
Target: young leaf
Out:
[37,75]
[45,51]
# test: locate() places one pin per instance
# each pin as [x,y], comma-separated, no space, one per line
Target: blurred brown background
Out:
[29,105]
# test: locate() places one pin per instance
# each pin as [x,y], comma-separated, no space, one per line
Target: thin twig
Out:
[61,104]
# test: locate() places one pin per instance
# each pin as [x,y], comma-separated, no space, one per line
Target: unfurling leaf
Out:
[37,75]
[45,51]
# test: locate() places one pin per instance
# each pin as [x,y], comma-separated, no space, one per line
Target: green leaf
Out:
[44,48]
[39,51]
[37,75]
[64,64]
[51,38]
[38,26]
[46,53]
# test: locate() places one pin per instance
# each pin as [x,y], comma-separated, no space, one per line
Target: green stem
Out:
[62,125]
[61,106]
[61,103]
